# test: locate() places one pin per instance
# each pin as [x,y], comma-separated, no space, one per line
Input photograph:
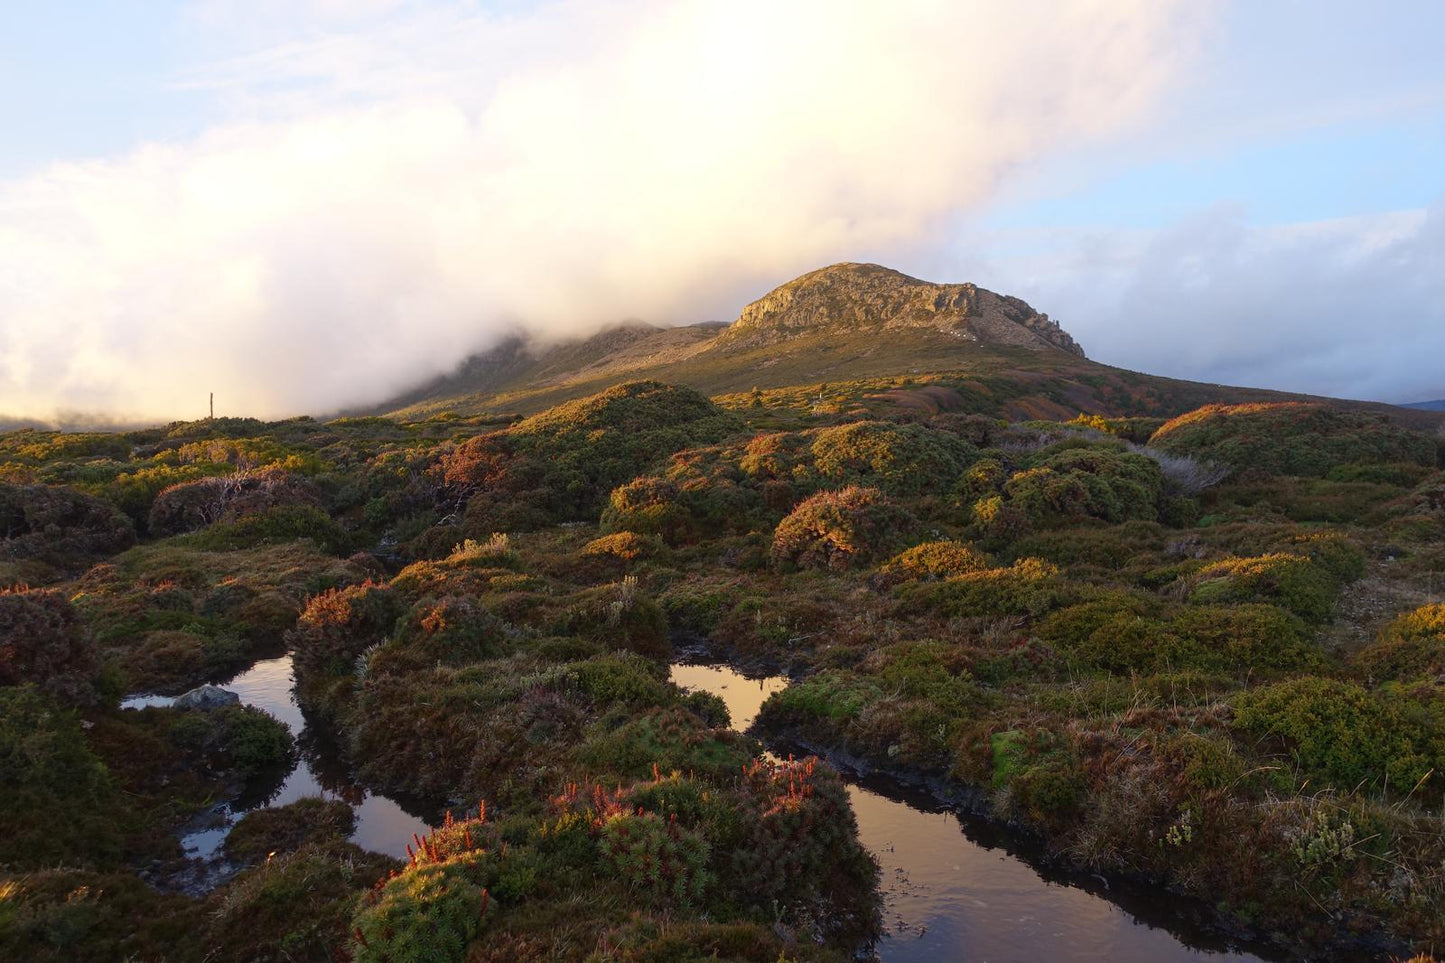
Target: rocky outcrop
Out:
[861,297]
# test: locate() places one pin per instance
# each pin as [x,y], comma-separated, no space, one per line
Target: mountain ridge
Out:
[847,322]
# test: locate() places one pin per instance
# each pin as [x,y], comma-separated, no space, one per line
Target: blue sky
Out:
[1163,178]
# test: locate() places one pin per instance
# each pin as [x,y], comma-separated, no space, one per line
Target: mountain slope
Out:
[854,323]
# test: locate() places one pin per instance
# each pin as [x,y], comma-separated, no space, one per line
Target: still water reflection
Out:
[383,824]
[959,888]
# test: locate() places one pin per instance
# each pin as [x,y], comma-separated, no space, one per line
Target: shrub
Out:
[338,625]
[1296,582]
[450,631]
[621,617]
[43,641]
[648,506]
[899,459]
[1249,637]
[656,857]
[196,504]
[561,464]
[1411,647]
[1030,586]
[1290,438]
[270,830]
[59,528]
[933,560]
[836,530]
[295,906]
[627,546]
[1087,482]
[428,914]
[281,523]
[253,741]
[1340,730]
[60,803]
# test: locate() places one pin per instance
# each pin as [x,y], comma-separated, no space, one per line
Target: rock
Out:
[853,298]
[206,697]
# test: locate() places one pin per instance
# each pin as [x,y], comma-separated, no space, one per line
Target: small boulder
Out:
[206,697]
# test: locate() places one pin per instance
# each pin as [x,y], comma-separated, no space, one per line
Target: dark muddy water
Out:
[960,888]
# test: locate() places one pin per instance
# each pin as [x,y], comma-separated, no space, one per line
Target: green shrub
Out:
[294,906]
[620,616]
[59,528]
[428,914]
[899,459]
[60,804]
[252,740]
[1087,482]
[265,832]
[1291,438]
[837,530]
[1030,587]
[1411,647]
[1296,582]
[1342,731]
[648,506]
[338,625]
[933,560]
[656,857]
[627,546]
[193,505]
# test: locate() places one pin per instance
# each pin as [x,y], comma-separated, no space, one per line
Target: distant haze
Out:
[368,192]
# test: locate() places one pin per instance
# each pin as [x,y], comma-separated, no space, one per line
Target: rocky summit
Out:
[857,297]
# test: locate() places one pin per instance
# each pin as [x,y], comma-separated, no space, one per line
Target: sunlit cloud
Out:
[395,189]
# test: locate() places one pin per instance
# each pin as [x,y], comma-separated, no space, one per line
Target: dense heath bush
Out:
[560,465]
[898,459]
[1291,438]
[58,528]
[837,530]
[1410,647]
[338,625]
[194,505]
[1092,482]
[1303,585]
[60,803]
[933,560]
[43,641]
[1345,733]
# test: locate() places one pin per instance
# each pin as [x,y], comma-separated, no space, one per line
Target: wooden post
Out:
[213,406]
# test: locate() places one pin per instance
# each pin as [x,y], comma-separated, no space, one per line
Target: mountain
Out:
[885,334]
[867,298]
[1427,405]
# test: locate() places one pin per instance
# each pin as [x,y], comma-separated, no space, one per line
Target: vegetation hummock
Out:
[1207,651]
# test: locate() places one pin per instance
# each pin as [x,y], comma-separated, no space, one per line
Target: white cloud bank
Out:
[1351,308]
[390,194]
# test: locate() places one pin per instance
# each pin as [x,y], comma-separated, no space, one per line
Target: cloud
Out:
[393,190]
[1351,308]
